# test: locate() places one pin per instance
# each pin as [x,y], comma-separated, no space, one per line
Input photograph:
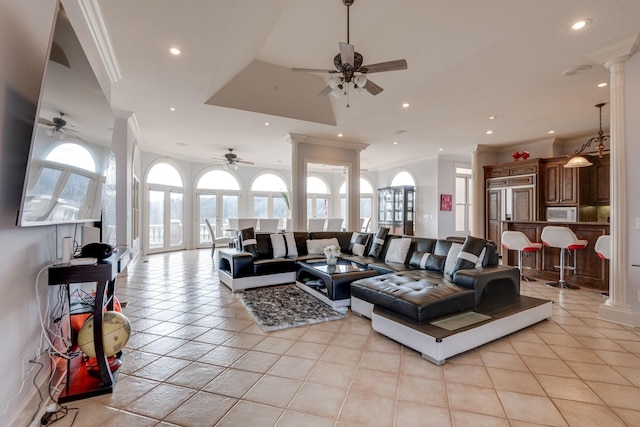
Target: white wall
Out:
[25,28]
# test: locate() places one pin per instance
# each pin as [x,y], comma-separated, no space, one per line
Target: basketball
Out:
[116,330]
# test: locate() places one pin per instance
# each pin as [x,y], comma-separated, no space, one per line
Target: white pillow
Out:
[398,249]
[316,246]
[284,245]
[452,257]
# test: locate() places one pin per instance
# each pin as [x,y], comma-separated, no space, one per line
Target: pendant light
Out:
[579,161]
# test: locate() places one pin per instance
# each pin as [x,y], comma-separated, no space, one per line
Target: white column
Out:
[477,201]
[616,309]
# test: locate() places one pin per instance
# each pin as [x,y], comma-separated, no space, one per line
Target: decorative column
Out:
[477,201]
[614,55]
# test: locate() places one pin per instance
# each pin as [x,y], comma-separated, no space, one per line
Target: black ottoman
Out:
[415,294]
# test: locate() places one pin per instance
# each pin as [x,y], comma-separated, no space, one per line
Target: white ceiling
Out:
[467,60]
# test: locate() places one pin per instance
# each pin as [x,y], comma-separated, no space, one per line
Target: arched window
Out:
[164,174]
[165,208]
[218,199]
[66,185]
[318,196]
[366,199]
[270,197]
[403,178]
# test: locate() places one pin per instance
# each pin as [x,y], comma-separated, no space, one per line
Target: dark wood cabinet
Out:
[595,182]
[511,195]
[591,271]
[396,209]
[559,184]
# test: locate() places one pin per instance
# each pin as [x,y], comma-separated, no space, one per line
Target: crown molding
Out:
[616,50]
[97,28]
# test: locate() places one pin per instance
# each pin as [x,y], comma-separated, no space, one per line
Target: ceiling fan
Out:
[231,160]
[58,126]
[349,69]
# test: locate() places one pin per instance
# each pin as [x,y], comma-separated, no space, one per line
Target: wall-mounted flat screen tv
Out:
[71,139]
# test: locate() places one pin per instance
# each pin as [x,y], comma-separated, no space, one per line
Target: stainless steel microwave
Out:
[562,214]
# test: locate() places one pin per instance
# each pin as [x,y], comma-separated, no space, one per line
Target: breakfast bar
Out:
[590,270]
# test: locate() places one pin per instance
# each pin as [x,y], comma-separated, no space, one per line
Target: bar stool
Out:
[565,239]
[518,241]
[603,250]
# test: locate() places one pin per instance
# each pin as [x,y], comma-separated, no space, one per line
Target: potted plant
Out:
[332,253]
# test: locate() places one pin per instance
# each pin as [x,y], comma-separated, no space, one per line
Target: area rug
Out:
[285,307]
[461,321]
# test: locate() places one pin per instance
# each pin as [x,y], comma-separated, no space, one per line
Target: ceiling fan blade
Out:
[346,53]
[244,162]
[326,91]
[45,122]
[372,88]
[313,70]
[398,64]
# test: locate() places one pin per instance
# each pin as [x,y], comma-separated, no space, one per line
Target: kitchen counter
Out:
[591,271]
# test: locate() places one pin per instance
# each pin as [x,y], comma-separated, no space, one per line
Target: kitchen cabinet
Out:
[559,184]
[597,176]
[396,209]
[511,195]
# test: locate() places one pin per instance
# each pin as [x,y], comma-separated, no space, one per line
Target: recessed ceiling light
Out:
[395,142]
[493,117]
[172,108]
[552,131]
[579,25]
[406,105]
[340,135]
[489,132]
[267,123]
[440,149]
[603,84]
[175,51]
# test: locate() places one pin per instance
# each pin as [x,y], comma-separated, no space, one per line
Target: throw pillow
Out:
[398,249]
[249,242]
[283,245]
[316,246]
[358,243]
[378,242]
[452,257]
[470,253]
[428,261]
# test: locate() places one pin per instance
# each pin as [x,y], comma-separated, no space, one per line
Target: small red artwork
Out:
[445,202]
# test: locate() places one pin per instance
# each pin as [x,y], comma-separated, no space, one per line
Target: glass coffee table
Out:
[330,283]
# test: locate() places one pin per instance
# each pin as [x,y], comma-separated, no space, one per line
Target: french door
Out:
[165,220]
[217,207]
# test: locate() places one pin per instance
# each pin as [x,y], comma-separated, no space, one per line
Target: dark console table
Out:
[80,383]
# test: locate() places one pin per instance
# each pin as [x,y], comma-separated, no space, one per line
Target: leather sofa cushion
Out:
[418,294]
[273,266]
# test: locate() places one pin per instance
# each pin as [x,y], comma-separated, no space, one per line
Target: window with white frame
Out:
[463,197]
[366,199]
[318,196]
[270,197]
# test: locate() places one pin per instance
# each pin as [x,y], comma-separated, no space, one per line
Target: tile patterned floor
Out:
[197,359]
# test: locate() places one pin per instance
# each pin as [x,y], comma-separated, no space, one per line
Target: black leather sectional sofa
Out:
[435,278]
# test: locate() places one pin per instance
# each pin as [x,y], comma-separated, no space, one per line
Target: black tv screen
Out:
[71,139]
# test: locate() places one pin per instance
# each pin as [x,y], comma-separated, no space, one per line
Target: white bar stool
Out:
[603,250]
[565,239]
[518,241]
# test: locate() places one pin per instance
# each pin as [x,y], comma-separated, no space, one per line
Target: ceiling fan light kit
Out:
[231,161]
[350,71]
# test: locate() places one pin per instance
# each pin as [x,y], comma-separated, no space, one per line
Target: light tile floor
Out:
[196,358]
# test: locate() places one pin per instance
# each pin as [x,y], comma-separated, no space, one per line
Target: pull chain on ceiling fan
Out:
[350,71]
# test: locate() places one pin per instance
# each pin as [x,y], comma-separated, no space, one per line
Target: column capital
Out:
[615,51]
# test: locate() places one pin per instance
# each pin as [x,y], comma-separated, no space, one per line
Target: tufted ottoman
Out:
[417,294]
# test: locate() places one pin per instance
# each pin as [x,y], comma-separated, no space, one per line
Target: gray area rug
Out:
[283,307]
[460,321]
